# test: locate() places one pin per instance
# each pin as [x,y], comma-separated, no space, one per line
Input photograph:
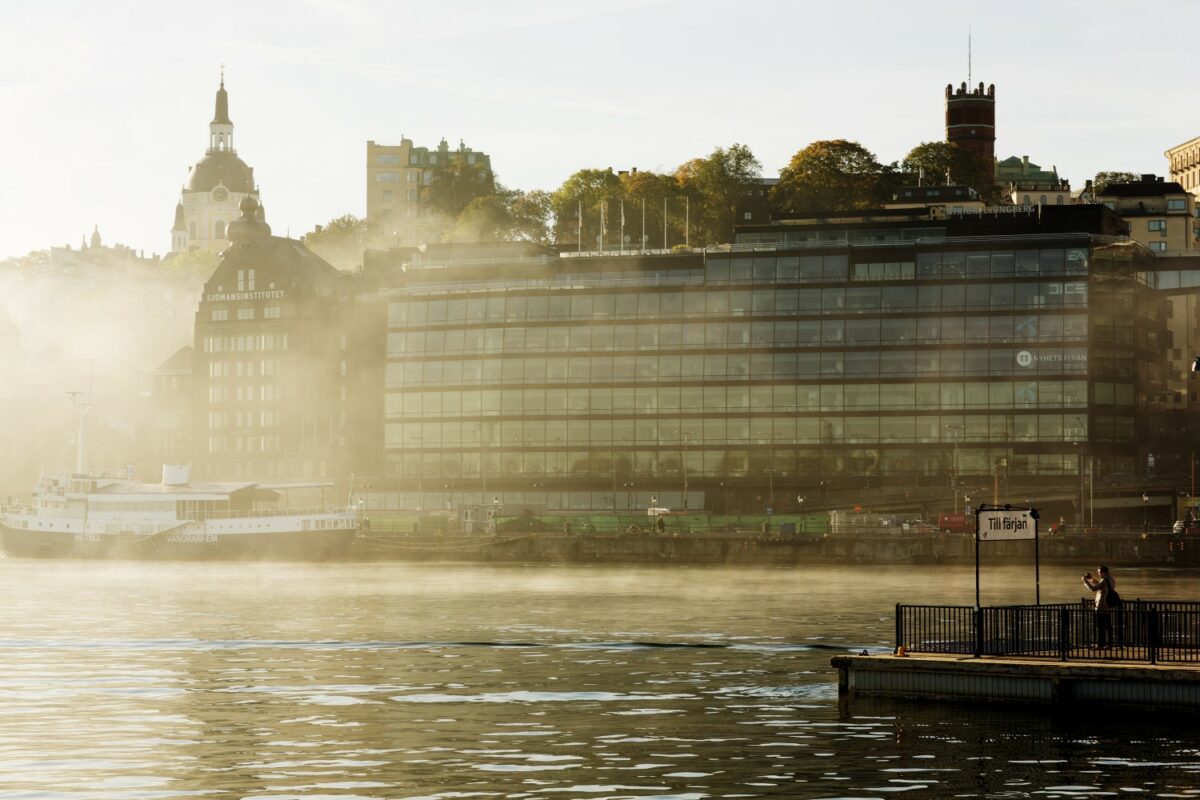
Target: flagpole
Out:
[621,243]
[642,244]
[687,221]
[664,223]
[579,219]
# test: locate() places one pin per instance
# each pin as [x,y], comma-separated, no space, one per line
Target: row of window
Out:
[248,343]
[717,302]
[745,366]
[221,314]
[687,432]
[788,398]
[243,444]
[265,393]
[99,506]
[244,419]
[808,465]
[240,369]
[1044,328]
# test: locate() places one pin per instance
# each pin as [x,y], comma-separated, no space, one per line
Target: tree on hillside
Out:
[508,215]
[340,241]
[832,175]
[455,185]
[577,206]
[1105,179]
[529,213]
[716,186]
[197,262]
[936,160]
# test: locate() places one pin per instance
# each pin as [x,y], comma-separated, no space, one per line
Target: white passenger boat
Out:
[81,515]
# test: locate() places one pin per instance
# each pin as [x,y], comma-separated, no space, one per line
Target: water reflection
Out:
[387,681]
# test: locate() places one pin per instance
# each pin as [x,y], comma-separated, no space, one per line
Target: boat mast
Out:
[79,441]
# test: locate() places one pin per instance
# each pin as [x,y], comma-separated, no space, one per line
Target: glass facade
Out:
[772,370]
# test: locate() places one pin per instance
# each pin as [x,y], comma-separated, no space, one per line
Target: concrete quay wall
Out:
[1125,549]
[1003,681]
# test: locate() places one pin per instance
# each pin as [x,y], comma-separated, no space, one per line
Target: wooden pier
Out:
[966,679]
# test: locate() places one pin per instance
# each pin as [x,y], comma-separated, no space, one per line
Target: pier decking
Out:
[1002,680]
[1143,654]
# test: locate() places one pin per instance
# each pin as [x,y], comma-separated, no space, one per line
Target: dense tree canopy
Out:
[455,185]
[1105,179]
[340,241]
[200,262]
[830,175]
[719,182]
[935,160]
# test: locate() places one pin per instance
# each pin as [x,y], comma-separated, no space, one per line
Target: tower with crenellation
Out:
[971,122]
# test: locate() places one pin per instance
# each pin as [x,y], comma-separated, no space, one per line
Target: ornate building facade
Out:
[215,188]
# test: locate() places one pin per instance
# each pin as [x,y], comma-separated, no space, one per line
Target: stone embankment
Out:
[1127,549]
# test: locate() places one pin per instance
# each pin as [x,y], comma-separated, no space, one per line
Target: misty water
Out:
[448,681]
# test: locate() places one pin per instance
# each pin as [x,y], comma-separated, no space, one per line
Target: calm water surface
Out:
[446,681]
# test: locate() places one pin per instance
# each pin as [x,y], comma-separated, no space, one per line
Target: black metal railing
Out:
[1153,631]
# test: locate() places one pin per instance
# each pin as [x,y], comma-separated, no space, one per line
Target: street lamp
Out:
[1145,512]
[420,444]
[958,432]
[683,443]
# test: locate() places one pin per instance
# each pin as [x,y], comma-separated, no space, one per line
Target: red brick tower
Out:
[971,122]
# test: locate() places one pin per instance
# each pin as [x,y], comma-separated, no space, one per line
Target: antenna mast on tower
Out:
[969,83]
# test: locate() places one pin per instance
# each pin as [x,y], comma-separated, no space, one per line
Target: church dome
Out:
[221,166]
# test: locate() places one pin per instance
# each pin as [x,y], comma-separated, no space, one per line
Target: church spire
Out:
[220,130]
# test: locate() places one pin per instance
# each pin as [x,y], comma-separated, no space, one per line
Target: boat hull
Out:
[318,545]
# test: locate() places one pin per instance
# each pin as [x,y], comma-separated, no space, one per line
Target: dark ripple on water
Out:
[203,689]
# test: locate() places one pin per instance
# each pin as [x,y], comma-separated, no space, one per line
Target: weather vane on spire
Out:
[222,73]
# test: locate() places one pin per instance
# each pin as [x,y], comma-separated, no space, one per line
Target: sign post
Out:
[1008,523]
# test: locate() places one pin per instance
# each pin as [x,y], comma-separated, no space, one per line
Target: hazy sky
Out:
[106,105]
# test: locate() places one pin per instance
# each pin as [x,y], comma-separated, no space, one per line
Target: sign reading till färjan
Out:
[1002,525]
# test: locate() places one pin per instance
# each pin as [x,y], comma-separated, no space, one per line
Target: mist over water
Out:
[399,681]
[98,331]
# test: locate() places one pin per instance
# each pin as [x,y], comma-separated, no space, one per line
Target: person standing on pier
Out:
[1105,588]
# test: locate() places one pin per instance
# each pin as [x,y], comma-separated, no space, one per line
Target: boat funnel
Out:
[175,474]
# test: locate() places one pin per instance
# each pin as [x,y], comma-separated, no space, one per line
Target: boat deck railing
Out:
[1152,631]
[199,516]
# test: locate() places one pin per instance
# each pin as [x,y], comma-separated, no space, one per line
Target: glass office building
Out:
[887,359]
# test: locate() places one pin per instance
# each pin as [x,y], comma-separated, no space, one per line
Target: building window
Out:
[412,194]
[470,158]
[1157,225]
[220,314]
[245,313]
[413,176]
[1176,204]
[1158,247]
[1042,200]
[1058,201]
[387,194]
[1027,200]
[746,215]
[387,177]
[387,159]
[271,312]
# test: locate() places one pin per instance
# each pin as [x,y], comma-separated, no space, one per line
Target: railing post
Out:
[1153,635]
[978,631]
[1064,633]
[899,627]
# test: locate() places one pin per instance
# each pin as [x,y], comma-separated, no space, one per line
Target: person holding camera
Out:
[1106,599]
